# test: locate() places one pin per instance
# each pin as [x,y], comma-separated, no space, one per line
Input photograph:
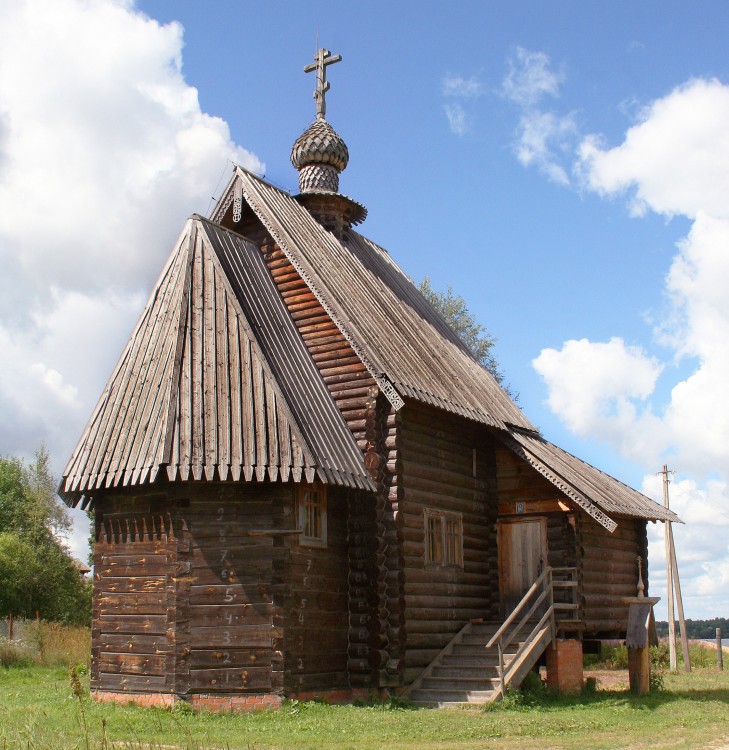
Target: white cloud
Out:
[529,78]
[456,115]
[454,85]
[673,161]
[104,151]
[461,89]
[600,390]
[543,139]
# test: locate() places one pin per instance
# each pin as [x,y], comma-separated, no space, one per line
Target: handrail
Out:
[518,607]
[546,582]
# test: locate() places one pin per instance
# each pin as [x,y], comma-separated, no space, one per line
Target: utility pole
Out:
[672,580]
[669,579]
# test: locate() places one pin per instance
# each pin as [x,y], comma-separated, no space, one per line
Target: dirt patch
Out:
[609,679]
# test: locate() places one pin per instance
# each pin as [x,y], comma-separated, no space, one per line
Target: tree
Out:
[455,312]
[36,569]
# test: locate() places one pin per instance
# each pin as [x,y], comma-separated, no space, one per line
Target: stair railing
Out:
[539,593]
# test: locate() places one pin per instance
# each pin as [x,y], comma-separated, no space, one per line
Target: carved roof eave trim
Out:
[384,384]
[590,508]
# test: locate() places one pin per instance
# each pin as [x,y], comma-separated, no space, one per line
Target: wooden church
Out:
[304,484]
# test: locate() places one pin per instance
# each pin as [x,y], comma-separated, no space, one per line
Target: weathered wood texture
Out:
[520,482]
[344,374]
[234,618]
[376,660]
[437,470]
[608,571]
[316,617]
[135,563]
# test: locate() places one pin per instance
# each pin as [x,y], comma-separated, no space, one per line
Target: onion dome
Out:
[320,155]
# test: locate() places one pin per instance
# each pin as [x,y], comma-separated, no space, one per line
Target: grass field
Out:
[39,712]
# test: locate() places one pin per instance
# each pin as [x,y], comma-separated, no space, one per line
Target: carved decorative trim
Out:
[584,503]
[387,388]
[237,202]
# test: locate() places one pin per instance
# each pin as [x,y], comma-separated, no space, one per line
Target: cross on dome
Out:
[322,58]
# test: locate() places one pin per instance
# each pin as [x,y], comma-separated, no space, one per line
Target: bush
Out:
[660,657]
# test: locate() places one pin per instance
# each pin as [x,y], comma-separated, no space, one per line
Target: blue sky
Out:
[561,165]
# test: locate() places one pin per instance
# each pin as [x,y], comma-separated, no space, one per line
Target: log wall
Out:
[205,588]
[438,457]
[316,608]
[375,659]
[609,572]
[234,618]
[134,604]
[341,369]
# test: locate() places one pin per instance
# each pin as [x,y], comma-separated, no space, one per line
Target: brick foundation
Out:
[224,703]
[229,702]
[564,666]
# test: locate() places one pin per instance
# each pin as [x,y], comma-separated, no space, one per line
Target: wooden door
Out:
[522,557]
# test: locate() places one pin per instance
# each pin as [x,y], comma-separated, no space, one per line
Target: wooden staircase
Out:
[484,659]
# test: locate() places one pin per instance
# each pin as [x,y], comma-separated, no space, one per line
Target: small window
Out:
[311,514]
[443,538]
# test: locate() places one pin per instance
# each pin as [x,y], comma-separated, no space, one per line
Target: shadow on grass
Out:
[654,700]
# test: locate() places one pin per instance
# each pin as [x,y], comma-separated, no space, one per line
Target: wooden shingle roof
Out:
[411,352]
[215,382]
[407,347]
[596,492]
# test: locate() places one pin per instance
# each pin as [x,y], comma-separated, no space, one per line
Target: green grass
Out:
[39,712]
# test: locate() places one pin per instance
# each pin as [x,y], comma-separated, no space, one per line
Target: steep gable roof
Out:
[214,382]
[406,346]
[409,349]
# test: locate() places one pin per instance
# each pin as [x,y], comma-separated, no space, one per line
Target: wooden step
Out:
[465,684]
[443,671]
[480,661]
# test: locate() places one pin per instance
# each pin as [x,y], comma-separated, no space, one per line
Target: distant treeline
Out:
[698,628]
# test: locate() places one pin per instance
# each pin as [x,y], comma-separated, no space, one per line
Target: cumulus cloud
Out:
[600,390]
[544,138]
[673,161]
[104,151]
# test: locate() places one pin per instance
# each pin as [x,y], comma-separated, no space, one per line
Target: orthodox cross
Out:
[321,59]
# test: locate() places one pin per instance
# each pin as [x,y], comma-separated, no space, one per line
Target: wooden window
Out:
[311,514]
[443,538]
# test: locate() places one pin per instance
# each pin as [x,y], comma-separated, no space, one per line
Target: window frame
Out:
[303,491]
[443,538]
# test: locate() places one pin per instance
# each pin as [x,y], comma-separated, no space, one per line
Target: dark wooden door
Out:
[522,556]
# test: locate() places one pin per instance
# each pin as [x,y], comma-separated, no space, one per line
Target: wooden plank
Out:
[251,636]
[142,624]
[230,658]
[231,680]
[135,644]
[141,664]
[132,683]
